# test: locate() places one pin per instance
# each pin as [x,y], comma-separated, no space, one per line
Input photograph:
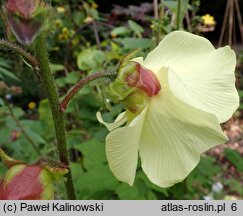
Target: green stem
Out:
[75,89]
[178,15]
[20,51]
[57,114]
[156,9]
[156,16]
[96,35]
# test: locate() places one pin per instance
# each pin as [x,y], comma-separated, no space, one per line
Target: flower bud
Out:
[134,86]
[26,182]
[26,18]
[29,182]
[144,79]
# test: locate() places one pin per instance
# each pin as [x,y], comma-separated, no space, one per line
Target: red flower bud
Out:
[134,85]
[23,8]
[145,80]
[26,182]
[29,182]
[25,18]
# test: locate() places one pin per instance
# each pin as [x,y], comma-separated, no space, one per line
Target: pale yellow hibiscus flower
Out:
[173,125]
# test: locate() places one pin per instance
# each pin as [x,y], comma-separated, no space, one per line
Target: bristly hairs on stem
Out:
[110,74]
[57,115]
[20,51]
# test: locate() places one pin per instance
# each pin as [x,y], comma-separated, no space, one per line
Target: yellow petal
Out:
[122,149]
[207,74]
[178,49]
[174,135]
[119,121]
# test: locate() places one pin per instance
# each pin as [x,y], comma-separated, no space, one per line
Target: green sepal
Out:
[8,161]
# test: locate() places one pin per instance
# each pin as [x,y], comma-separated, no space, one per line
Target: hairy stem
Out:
[20,51]
[75,89]
[57,114]
[22,129]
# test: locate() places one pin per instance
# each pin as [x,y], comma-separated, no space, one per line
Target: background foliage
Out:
[86,37]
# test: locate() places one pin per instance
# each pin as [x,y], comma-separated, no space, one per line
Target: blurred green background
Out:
[88,36]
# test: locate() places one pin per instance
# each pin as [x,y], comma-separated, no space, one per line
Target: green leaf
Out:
[61,82]
[72,78]
[5,134]
[122,30]
[23,150]
[78,17]
[94,13]
[18,112]
[8,74]
[56,67]
[95,183]
[141,189]
[91,59]
[125,192]
[234,186]
[90,150]
[202,175]
[74,138]
[208,167]
[35,129]
[172,5]
[135,43]
[235,158]
[35,136]
[240,93]
[150,185]
[1,102]
[45,117]
[115,48]
[136,28]
[4,63]
[97,176]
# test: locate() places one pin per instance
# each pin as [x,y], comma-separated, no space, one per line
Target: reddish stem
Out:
[75,89]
